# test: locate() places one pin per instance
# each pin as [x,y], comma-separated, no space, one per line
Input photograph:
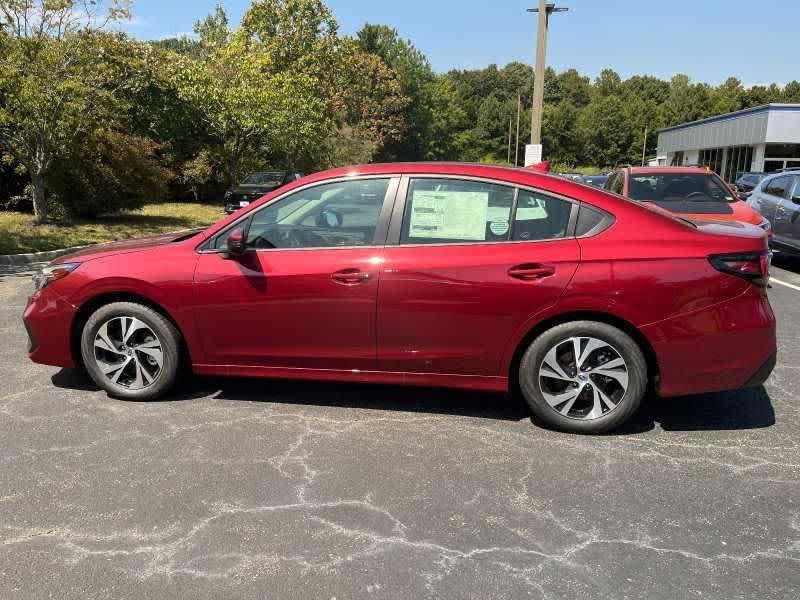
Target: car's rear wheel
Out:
[131,351]
[583,377]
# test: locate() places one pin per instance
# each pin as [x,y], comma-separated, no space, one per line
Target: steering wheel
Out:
[695,194]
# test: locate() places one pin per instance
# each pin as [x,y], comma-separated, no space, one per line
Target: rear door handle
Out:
[531,272]
[350,276]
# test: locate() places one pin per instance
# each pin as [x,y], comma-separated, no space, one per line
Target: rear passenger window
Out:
[540,217]
[778,186]
[442,211]
[454,211]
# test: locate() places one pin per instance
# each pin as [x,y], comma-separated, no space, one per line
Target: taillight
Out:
[753,267]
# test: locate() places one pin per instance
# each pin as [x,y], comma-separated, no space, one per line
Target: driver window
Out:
[337,214]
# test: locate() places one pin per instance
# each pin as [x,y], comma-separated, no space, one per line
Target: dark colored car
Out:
[746,182]
[256,185]
[466,276]
[597,181]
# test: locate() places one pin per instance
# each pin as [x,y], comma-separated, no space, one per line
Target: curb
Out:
[37,257]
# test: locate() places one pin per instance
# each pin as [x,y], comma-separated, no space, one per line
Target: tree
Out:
[107,172]
[417,82]
[51,83]
[248,110]
[214,31]
[374,104]
[603,132]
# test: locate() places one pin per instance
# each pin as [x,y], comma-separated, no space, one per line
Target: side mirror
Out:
[796,199]
[235,242]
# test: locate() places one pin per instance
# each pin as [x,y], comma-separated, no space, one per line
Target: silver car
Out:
[777,198]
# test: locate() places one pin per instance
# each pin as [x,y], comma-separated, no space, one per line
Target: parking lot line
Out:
[789,285]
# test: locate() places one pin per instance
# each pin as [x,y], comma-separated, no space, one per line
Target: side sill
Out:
[464,382]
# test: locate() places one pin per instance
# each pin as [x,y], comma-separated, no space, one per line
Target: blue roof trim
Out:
[735,115]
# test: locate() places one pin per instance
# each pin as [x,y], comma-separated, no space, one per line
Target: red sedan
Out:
[449,275]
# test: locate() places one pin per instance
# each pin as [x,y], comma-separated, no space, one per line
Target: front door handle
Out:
[531,272]
[350,277]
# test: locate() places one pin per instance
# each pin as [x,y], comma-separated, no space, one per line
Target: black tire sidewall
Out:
[167,334]
[625,345]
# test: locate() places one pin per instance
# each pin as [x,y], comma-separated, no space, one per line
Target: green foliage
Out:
[108,172]
[53,81]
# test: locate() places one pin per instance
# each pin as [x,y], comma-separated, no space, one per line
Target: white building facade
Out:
[760,139]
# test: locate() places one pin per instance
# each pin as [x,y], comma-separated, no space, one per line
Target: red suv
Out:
[694,193]
[451,275]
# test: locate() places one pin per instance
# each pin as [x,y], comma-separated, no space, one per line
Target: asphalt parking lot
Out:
[258,489]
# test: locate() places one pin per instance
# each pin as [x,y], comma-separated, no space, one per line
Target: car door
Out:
[303,295]
[761,202]
[776,193]
[468,263]
[792,209]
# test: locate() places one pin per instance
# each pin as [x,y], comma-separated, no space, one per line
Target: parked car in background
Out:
[598,181]
[777,197]
[436,274]
[746,182]
[694,193]
[256,185]
[572,176]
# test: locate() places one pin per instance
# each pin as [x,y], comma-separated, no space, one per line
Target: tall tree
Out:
[51,85]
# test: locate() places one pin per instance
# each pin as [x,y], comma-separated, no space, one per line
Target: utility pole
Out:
[644,146]
[510,123]
[533,153]
[519,110]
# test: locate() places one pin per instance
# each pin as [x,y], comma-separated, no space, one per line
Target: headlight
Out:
[52,273]
[765,225]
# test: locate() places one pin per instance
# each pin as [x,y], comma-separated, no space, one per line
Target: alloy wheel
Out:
[583,378]
[128,353]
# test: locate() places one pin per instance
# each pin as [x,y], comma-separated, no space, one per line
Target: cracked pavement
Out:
[261,489]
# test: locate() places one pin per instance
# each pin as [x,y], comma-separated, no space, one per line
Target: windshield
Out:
[263,178]
[598,181]
[678,187]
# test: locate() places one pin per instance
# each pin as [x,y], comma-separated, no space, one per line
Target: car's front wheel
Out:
[131,351]
[583,377]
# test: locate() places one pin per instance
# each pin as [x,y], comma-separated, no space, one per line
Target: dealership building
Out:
[764,138]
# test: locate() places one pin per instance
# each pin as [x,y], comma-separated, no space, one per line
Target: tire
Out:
[606,396]
[147,362]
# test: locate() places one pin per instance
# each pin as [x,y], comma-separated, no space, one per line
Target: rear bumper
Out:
[48,320]
[764,371]
[728,346]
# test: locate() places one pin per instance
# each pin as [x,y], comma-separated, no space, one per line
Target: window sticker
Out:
[499,227]
[449,215]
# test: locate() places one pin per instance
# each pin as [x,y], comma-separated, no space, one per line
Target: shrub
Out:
[109,172]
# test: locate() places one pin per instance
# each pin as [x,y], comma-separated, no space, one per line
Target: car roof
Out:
[668,170]
[511,174]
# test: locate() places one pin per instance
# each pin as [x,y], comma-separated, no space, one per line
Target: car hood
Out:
[125,246]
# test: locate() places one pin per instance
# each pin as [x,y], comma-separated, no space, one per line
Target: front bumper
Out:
[48,321]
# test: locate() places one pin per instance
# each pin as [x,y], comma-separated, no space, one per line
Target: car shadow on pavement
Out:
[724,411]
[787,262]
[743,409]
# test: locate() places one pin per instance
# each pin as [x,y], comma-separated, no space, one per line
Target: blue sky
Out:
[707,39]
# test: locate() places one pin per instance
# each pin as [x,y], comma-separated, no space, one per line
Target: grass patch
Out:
[19,235]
